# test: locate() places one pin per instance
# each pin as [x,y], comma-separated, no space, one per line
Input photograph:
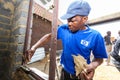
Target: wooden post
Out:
[28,29]
[52,65]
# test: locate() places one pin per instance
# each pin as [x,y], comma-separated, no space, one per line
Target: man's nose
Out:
[70,23]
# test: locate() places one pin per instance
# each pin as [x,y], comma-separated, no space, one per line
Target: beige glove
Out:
[80,64]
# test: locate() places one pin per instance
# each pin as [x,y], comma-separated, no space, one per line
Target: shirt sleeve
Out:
[58,32]
[61,31]
[99,50]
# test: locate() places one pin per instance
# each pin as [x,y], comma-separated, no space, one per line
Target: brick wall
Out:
[13,20]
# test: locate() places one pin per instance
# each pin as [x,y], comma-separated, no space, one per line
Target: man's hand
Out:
[28,55]
[88,73]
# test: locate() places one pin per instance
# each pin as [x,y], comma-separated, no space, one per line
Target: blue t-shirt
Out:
[83,42]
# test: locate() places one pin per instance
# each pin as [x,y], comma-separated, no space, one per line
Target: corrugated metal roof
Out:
[38,55]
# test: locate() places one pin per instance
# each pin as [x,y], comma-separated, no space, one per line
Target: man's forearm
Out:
[96,62]
[42,41]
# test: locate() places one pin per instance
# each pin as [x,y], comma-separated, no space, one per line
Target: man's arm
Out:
[96,62]
[29,53]
[42,41]
[90,70]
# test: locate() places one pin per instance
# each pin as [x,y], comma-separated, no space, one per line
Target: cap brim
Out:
[67,16]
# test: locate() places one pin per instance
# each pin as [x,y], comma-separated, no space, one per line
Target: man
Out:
[108,43]
[77,38]
[116,54]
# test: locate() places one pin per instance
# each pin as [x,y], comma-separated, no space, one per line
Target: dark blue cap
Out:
[78,7]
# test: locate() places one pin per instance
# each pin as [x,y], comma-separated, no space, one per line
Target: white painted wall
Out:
[111,26]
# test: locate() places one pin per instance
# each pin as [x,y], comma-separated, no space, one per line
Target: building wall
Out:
[13,20]
[6,17]
[13,24]
[41,26]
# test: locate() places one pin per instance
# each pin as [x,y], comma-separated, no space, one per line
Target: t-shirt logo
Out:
[84,42]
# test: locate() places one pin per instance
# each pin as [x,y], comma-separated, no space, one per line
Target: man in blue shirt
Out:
[77,38]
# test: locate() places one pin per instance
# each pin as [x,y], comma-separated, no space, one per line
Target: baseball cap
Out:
[78,7]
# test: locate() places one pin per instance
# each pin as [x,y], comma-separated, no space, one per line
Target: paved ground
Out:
[103,72]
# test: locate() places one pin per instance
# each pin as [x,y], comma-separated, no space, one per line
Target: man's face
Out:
[109,33]
[77,23]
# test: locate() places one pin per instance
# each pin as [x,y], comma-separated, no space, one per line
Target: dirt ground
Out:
[103,72]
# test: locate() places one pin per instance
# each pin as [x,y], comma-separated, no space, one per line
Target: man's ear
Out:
[85,18]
